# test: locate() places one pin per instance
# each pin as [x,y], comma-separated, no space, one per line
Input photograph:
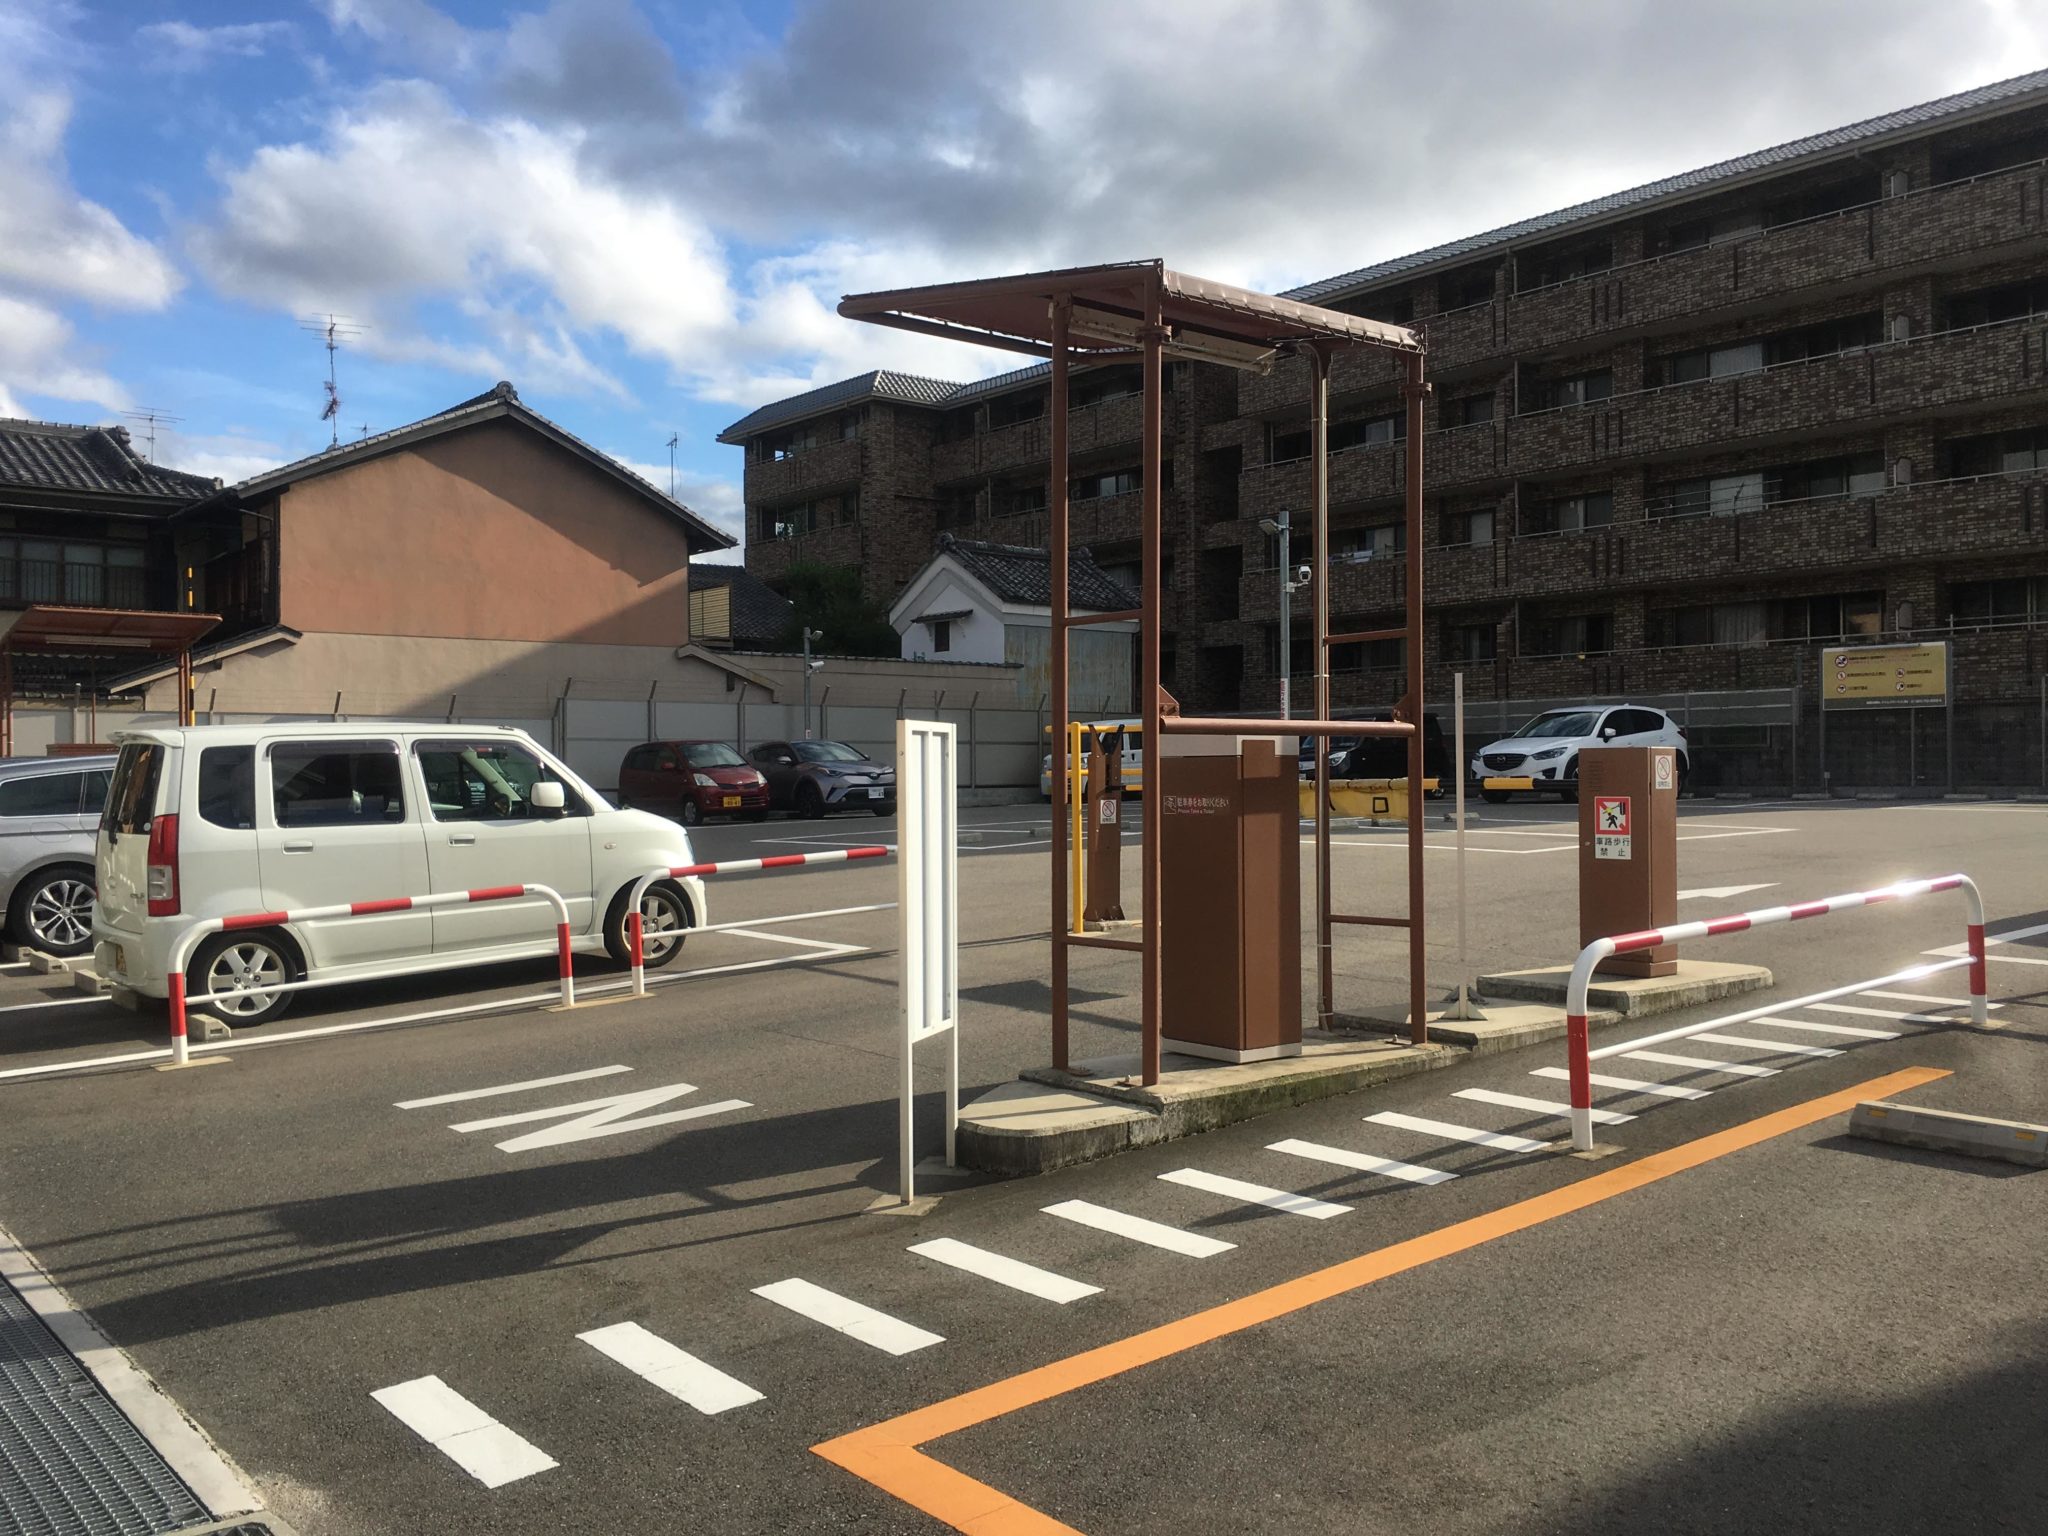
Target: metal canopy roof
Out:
[1213,321]
[41,627]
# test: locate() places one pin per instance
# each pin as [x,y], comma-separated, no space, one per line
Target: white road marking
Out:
[1464,1133]
[1540,1106]
[2017,959]
[1776,1047]
[55,1002]
[1014,1273]
[1734,1068]
[877,1329]
[600,1117]
[825,945]
[1138,1229]
[1926,997]
[1856,1011]
[1718,892]
[2010,936]
[463,1432]
[1362,1161]
[1628,1084]
[1850,1030]
[487,1093]
[676,1371]
[1255,1194]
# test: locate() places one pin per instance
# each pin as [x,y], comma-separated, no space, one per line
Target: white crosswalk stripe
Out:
[1926,997]
[1627,1084]
[1138,1229]
[1849,1031]
[463,1432]
[1364,1162]
[1539,1106]
[1777,1047]
[1465,1133]
[1255,1194]
[1014,1273]
[1670,1059]
[676,1371]
[878,1329]
[1855,1011]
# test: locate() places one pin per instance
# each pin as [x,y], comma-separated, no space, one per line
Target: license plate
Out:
[874,794]
[731,802]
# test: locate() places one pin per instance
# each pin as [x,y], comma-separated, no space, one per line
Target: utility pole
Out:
[810,666]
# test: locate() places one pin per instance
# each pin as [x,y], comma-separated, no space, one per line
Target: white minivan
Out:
[215,820]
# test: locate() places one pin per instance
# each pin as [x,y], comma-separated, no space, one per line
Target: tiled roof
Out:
[878,384]
[1685,183]
[759,613]
[1018,573]
[48,455]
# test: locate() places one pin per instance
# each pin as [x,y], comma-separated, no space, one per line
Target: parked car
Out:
[813,777]
[690,780]
[1547,748]
[1306,757]
[1386,757]
[1131,760]
[49,808]
[211,821]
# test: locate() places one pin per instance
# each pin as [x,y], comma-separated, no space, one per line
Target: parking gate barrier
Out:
[635,945]
[1578,1045]
[181,951]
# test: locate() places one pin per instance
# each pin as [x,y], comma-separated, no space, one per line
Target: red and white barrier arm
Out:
[181,952]
[1577,1038]
[635,937]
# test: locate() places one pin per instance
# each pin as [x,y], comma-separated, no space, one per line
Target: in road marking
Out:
[1926,997]
[54,1002]
[676,1371]
[463,1432]
[1735,1068]
[1014,1273]
[825,945]
[1364,1162]
[877,1329]
[1255,1194]
[1464,1133]
[1851,1031]
[1540,1106]
[1777,1047]
[1855,1011]
[1138,1229]
[489,1093]
[2010,936]
[1627,1084]
[600,1117]
[889,1455]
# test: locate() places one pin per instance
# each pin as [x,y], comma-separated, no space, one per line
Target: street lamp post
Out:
[810,666]
[1288,583]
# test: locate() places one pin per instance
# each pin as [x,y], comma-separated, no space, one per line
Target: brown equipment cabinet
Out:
[1628,852]
[1231,887]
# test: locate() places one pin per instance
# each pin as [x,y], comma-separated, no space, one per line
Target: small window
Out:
[42,794]
[335,783]
[492,780]
[942,635]
[131,801]
[1468,410]
[1584,388]
[97,783]
[227,787]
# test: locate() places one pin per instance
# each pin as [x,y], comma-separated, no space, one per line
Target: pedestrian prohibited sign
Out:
[1613,835]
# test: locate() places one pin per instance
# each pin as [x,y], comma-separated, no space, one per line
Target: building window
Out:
[790,442]
[1367,656]
[804,517]
[1703,495]
[1018,499]
[1711,624]
[1830,616]
[1575,514]
[1474,526]
[1713,362]
[1378,543]
[1997,453]
[1581,388]
[1579,634]
[1470,642]
[957,508]
[1285,444]
[1852,474]
[1717,229]
[1396,308]
[1464,288]
[1367,432]
[1993,306]
[78,574]
[942,635]
[1115,482]
[1099,384]
[1468,410]
[1562,265]
[2014,600]
[1009,410]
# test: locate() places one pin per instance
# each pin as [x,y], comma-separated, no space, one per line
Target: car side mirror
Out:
[1607,733]
[547,796]
[782,758]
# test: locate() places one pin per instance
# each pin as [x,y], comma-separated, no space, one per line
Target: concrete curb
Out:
[1696,982]
[1947,1130]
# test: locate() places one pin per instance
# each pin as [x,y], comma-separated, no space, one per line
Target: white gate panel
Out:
[928,910]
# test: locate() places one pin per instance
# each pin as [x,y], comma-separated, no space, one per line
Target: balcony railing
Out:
[73,584]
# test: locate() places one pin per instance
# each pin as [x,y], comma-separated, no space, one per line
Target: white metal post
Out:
[927,875]
[1463,1008]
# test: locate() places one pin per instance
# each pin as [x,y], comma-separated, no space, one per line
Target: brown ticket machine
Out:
[1105,815]
[1628,851]
[1230,899]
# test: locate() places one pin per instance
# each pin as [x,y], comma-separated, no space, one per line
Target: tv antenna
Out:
[149,416]
[334,330]
[673,439]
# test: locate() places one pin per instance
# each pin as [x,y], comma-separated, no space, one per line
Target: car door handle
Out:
[299,845]
[462,837]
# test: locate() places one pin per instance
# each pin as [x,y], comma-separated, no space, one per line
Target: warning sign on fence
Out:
[1613,837]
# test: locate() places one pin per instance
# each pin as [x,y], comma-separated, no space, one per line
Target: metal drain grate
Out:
[70,1462]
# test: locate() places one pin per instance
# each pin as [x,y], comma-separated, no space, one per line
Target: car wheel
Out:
[230,964]
[689,814]
[1569,792]
[1494,796]
[810,802]
[53,910]
[664,917]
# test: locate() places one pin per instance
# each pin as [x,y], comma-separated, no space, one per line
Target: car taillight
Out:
[163,867]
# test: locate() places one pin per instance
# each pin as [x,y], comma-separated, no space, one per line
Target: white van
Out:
[215,820]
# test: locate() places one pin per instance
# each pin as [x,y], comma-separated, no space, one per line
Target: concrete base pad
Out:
[1946,1130]
[1696,982]
[1505,1027]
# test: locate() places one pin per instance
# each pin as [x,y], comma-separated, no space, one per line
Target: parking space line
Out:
[878,1330]
[1700,1063]
[1450,1132]
[827,946]
[1540,1106]
[1627,1084]
[1155,1233]
[490,1093]
[463,1432]
[1255,1194]
[676,1371]
[54,1002]
[1924,997]
[1364,1162]
[1856,1011]
[1014,1273]
[1776,1047]
[1850,1031]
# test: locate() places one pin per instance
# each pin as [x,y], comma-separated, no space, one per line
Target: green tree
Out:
[829,598]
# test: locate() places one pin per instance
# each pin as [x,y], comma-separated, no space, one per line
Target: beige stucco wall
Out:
[492,532]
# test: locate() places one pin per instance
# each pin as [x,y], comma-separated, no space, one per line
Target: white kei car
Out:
[1546,750]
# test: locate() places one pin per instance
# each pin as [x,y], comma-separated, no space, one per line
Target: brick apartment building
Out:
[1680,437]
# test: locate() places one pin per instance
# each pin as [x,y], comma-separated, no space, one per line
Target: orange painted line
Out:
[887,1454]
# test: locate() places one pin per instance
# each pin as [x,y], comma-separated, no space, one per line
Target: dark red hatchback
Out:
[690,780]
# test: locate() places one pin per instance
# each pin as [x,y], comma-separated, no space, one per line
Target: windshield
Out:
[827,752]
[1563,722]
[712,754]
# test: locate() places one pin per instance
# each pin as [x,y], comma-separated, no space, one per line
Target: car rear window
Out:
[42,794]
[131,803]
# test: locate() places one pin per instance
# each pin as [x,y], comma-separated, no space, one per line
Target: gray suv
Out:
[49,818]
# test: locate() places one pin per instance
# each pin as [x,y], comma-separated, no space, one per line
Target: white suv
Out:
[1547,749]
[211,821]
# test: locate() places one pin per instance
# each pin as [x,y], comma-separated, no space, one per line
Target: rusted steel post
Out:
[1418,1019]
[1152,981]
[1057,634]
[1319,604]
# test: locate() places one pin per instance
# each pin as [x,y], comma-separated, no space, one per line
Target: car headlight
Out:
[704,780]
[1548,752]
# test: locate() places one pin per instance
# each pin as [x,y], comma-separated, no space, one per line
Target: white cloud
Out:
[38,356]
[715,499]
[180,45]
[228,456]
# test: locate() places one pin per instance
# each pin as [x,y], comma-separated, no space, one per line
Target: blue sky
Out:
[643,213]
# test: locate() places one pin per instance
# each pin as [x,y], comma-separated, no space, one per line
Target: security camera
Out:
[1301,575]
[816,666]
